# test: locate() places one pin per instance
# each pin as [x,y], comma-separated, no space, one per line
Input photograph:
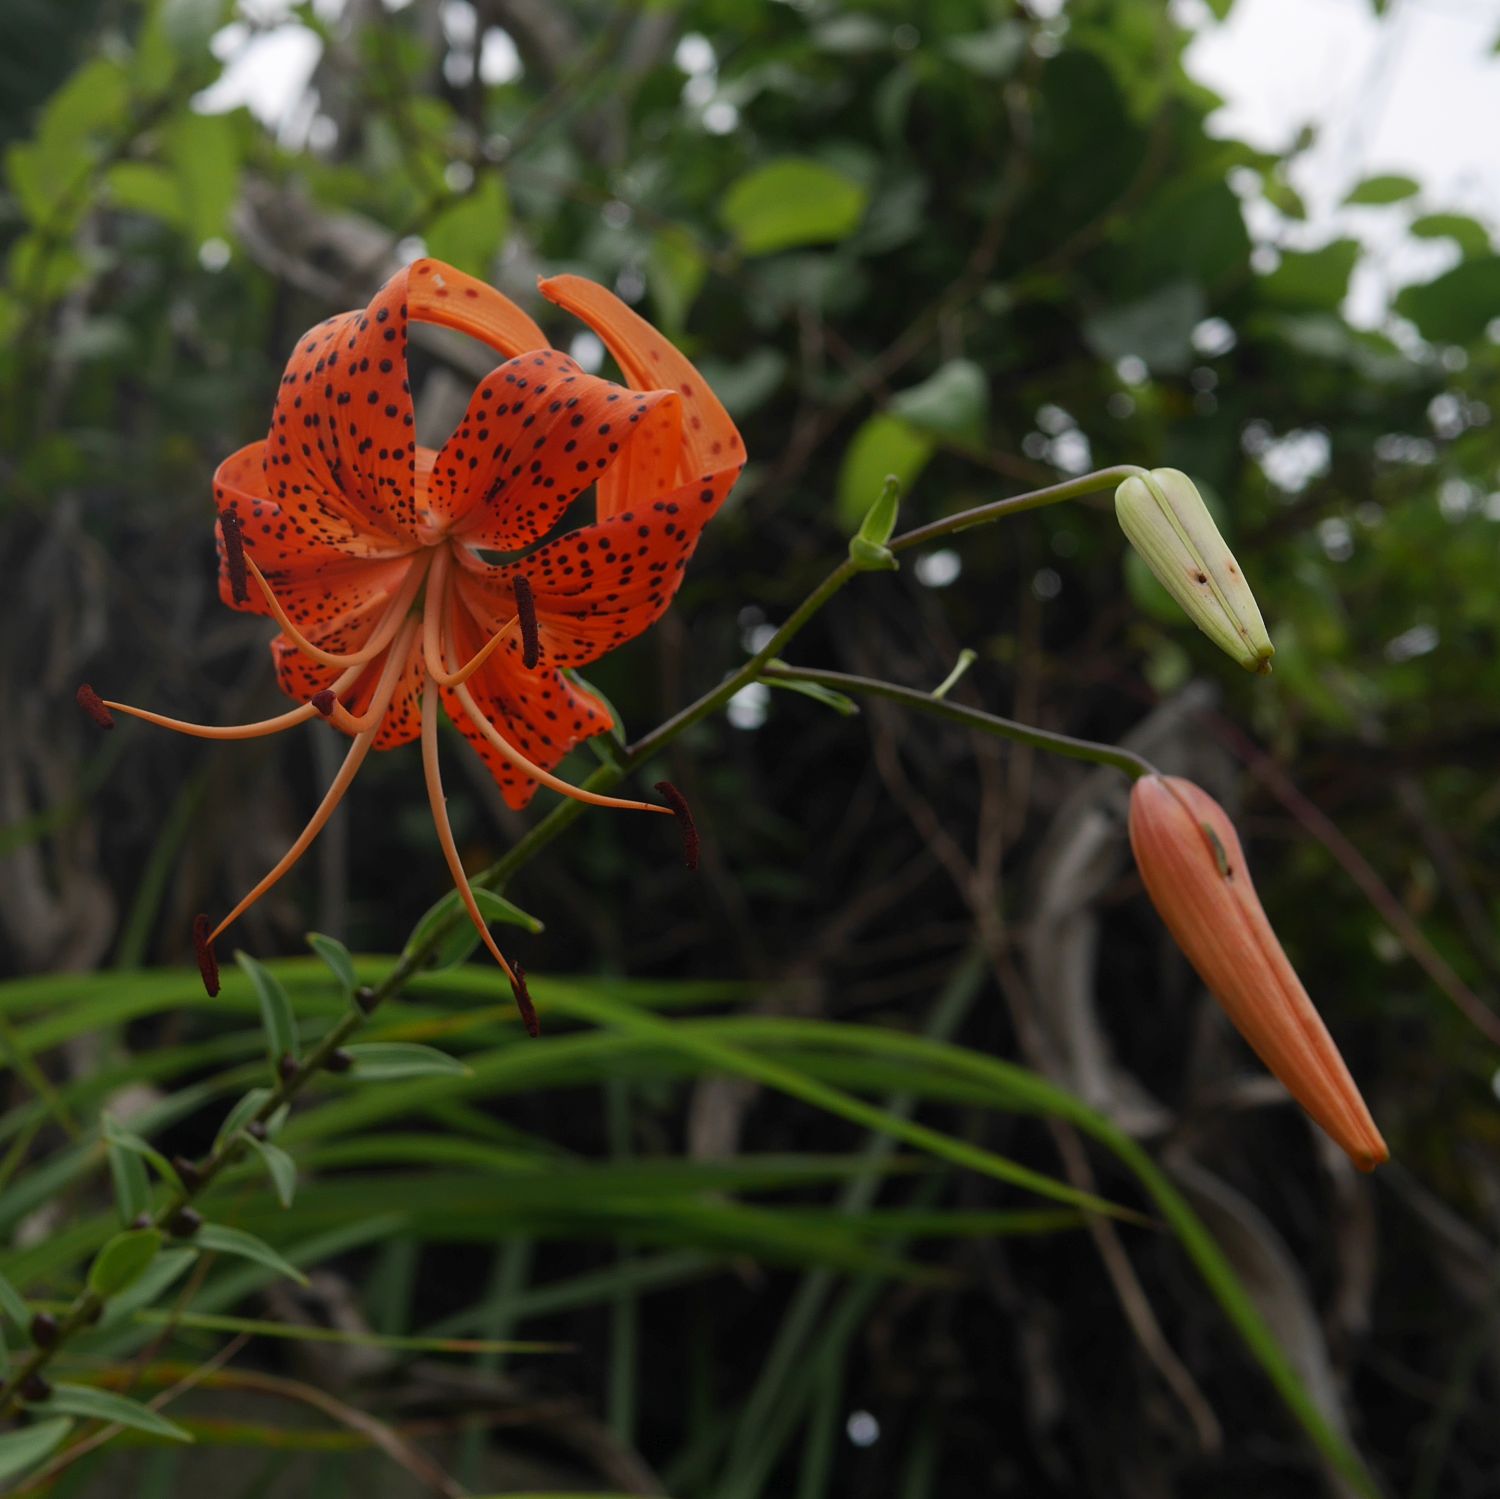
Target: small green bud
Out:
[1164,518]
[868,549]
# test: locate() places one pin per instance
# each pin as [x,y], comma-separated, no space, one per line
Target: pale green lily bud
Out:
[1164,518]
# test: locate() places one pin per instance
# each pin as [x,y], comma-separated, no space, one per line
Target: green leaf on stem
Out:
[275,1008]
[20,1449]
[241,1115]
[103,1405]
[123,1260]
[282,1169]
[132,1187]
[222,1240]
[460,938]
[167,1267]
[13,1304]
[117,1135]
[338,957]
[384,1060]
[840,702]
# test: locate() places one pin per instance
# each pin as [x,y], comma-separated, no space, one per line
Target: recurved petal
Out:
[343,424]
[711,444]
[330,577]
[438,293]
[537,433]
[597,587]
[1194,870]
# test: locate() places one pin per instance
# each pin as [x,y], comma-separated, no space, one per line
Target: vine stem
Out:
[86,1308]
[982,515]
[973,718]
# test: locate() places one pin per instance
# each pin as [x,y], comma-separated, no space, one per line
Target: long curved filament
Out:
[433,775]
[384,631]
[519,761]
[234,730]
[510,753]
[385,689]
[432,631]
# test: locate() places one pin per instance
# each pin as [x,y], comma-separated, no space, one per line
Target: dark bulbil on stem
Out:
[44,1330]
[339,1060]
[184,1223]
[187,1172]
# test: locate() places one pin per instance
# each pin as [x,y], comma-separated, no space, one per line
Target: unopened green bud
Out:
[868,549]
[1164,518]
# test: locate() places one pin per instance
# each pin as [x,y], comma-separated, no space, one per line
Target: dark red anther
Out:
[234,556]
[323,701]
[523,1000]
[208,964]
[685,824]
[93,705]
[531,645]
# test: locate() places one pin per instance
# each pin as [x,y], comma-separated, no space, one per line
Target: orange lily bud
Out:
[1194,871]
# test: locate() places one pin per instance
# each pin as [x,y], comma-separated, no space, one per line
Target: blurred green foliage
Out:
[975,246]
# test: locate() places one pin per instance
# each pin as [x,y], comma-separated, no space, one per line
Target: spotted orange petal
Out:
[537,433]
[438,293]
[711,444]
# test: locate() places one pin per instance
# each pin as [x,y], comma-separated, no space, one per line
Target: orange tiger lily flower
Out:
[365,548]
[1194,871]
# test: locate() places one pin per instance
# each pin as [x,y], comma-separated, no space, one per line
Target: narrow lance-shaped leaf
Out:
[103,1405]
[392,1059]
[339,959]
[123,1260]
[282,1169]
[167,1267]
[236,1241]
[462,939]
[275,1008]
[13,1304]
[128,1175]
[21,1449]
[118,1135]
[241,1114]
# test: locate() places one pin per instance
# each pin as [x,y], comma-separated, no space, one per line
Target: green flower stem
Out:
[973,718]
[87,1306]
[982,515]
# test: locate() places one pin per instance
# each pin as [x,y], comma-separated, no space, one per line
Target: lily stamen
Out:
[513,757]
[433,608]
[400,602]
[531,640]
[233,532]
[432,773]
[385,690]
